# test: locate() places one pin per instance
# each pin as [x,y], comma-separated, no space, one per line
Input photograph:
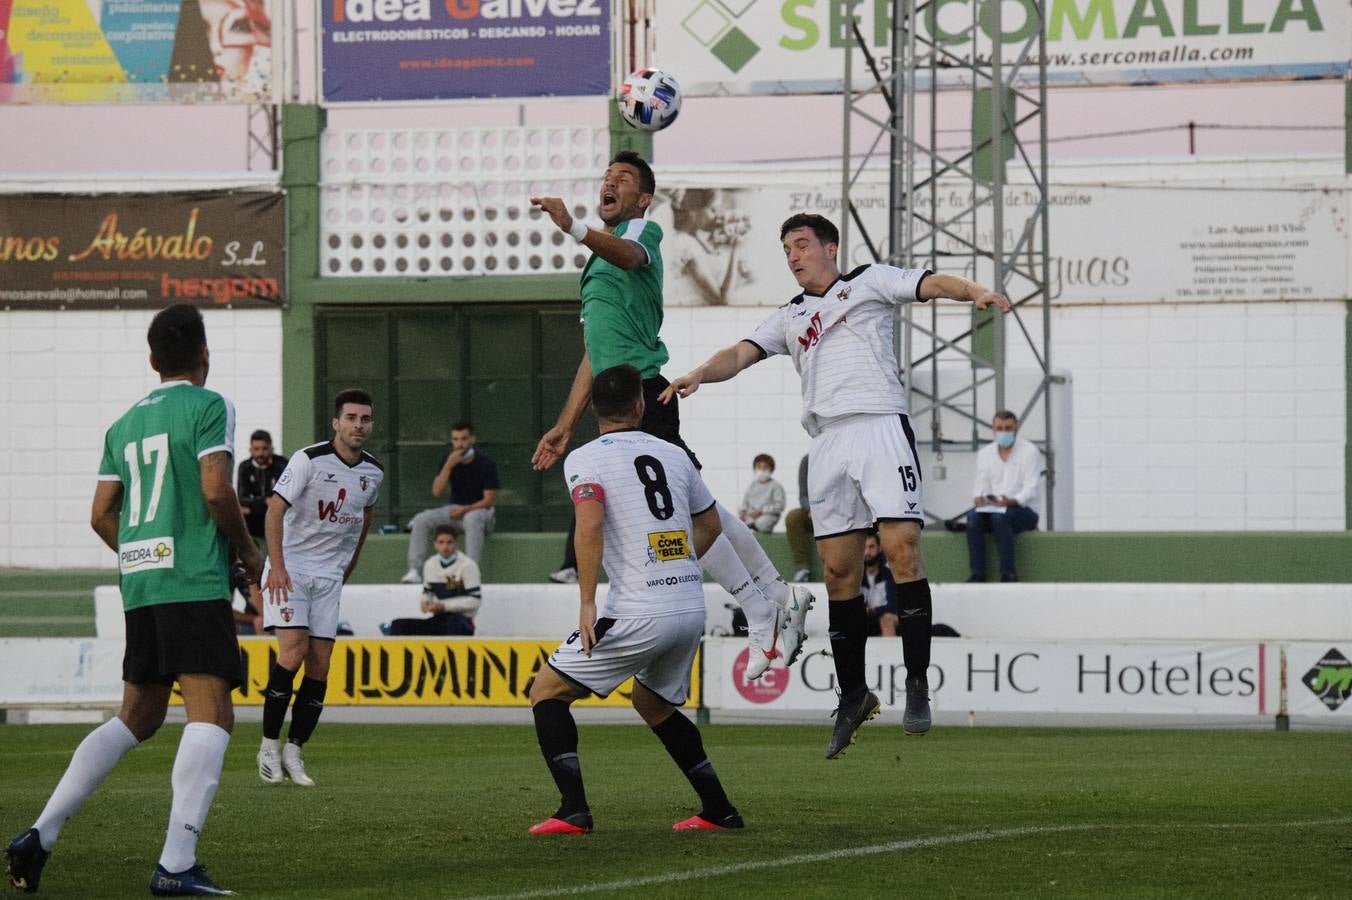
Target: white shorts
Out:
[861,470]
[312,604]
[658,652]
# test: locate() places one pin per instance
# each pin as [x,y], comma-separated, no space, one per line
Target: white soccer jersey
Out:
[843,343]
[328,499]
[650,491]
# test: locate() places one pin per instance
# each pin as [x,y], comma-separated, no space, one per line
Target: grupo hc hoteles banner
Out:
[463,49]
[142,251]
[136,51]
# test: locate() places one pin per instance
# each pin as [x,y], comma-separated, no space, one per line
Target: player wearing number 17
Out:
[166,506]
[863,472]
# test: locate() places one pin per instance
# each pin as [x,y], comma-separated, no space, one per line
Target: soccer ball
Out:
[650,99]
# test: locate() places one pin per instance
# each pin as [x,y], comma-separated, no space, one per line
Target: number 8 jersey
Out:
[650,492]
[169,548]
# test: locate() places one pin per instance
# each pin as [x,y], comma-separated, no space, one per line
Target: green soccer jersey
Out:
[169,548]
[622,309]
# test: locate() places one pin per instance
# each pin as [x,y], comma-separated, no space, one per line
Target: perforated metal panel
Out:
[427,203]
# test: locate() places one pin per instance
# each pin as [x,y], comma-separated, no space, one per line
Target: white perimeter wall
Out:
[1207,417]
[1214,417]
[66,377]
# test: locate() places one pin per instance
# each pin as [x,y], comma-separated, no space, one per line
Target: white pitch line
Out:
[965,837]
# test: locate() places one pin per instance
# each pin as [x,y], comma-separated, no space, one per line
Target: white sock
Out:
[754,557]
[272,744]
[197,772]
[721,562]
[91,763]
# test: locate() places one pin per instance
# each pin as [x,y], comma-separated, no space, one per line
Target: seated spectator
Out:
[763,503]
[1006,493]
[254,482]
[879,590]
[798,526]
[450,592]
[473,482]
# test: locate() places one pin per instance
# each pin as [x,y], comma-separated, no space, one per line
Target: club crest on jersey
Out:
[287,613]
[667,546]
[365,482]
[844,293]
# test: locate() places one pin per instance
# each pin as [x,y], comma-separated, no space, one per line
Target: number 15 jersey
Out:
[650,492]
[169,548]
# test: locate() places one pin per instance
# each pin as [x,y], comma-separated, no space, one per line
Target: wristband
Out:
[578,230]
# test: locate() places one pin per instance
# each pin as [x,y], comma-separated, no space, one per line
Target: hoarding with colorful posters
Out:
[382,50]
[135,51]
[142,251]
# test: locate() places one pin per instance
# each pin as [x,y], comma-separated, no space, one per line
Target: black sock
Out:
[557,733]
[681,738]
[849,634]
[916,612]
[276,699]
[305,713]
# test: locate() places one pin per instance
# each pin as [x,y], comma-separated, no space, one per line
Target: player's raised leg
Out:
[843,562]
[915,609]
[556,730]
[790,603]
[682,739]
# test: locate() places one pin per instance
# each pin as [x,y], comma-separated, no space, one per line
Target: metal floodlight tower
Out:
[947,205]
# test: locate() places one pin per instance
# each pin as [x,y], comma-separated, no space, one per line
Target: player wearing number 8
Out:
[165,504]
[643,513]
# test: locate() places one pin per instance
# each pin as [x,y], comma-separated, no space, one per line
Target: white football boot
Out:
[295,766]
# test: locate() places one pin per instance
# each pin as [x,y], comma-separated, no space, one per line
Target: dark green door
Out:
[505,367]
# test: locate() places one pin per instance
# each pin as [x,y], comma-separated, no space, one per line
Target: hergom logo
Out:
[1330,679]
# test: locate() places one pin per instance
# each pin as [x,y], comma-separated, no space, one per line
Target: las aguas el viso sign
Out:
[458,49]
[142,251]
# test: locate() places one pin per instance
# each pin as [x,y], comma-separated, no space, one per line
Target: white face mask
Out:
[763,474]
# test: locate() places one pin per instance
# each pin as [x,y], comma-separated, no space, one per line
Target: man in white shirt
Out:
[864,472]
[318,517]
[1006,493]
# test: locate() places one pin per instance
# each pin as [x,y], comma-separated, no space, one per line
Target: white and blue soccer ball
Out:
[650,99]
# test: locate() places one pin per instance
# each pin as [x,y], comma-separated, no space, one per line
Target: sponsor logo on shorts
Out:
[142,556]
[669,545]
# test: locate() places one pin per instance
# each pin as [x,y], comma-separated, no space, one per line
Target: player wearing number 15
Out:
[165,504]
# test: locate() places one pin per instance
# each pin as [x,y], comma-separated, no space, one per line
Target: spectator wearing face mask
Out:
[1007,494]
[763,502]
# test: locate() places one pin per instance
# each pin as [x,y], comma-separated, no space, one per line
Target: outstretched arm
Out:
[720,367]
[617,251]
[955,287]
[555,442]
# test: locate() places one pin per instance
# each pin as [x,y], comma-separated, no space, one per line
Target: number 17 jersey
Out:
[650,492]
[169,548]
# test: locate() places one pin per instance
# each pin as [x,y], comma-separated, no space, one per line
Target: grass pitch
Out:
[413,811]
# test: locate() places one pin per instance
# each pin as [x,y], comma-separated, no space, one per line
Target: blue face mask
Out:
[447,560]
[1004,439]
